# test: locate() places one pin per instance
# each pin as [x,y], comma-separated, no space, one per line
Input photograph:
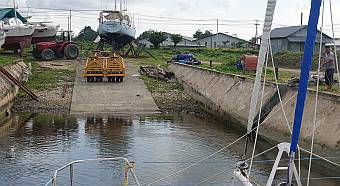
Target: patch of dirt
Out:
[53,101]
[58,64]
[178,102]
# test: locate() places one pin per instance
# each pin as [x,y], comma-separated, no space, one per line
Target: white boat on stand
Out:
[116,27]
[44,32]
[2,34]
[18,34]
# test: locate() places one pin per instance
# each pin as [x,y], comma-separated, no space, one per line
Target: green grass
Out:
[47,79]
[41,78]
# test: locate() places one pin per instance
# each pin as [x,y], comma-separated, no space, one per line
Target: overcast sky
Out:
[235,16]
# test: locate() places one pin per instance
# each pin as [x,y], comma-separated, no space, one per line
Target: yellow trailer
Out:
[104,64]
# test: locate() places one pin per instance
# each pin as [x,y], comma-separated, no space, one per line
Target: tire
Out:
[71,52]
[47,54]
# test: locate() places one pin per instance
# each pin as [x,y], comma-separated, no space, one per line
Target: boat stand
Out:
[283,147]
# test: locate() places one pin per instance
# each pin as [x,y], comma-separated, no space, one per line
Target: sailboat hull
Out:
[2,40]
[44,34]
[17,42]
[18,36]
[115,32]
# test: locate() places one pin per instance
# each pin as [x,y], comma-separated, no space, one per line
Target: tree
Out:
[207,33]
[86,35]
[176,38]
[156,38]
[252,40]
[145,35]
[199,35]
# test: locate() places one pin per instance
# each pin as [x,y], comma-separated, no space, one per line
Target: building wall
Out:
[168,42]
[279,45]
[219,41]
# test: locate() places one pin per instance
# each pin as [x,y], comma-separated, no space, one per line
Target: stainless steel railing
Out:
[128,167]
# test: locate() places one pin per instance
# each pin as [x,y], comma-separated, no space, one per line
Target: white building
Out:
[186,42]
[222,40]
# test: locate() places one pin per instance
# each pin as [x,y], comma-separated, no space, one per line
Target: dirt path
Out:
[127,98]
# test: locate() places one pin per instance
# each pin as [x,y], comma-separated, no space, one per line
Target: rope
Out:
[203,159]
[211,177]
[335,52]
[259,117]
[325,159]
[316,95]
[277,87]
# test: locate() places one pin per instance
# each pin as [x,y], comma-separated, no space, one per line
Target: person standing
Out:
[329,66]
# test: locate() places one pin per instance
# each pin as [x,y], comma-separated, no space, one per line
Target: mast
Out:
[121,6]
[261,60]
[115,4]
[15,12]
[303,83]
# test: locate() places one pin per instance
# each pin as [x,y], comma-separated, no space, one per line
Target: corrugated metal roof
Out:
[285,31]
[9,13]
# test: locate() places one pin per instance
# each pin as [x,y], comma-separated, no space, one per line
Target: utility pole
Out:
[256,32]
[68,23]
[70,32]
[301,18]
[217,33]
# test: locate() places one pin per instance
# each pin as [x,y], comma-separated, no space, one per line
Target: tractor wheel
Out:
[47,54]
[71,51]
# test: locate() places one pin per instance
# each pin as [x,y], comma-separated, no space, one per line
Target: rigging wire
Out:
[223,148]
[215,175]
[260,113]
[335,52]
[316,95]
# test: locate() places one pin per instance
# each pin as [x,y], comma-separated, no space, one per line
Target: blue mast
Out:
[303,83]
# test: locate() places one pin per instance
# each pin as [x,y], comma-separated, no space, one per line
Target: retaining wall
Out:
[8,90]
[228,96]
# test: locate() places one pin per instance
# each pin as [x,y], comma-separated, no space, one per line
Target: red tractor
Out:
[57,49]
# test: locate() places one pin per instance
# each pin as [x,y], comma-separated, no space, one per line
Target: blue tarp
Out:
[9,13]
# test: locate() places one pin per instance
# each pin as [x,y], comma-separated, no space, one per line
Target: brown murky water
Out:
[33,146]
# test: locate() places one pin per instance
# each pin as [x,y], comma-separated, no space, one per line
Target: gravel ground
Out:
[51,101]
[177,101]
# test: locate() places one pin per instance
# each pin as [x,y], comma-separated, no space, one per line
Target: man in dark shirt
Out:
[329,66]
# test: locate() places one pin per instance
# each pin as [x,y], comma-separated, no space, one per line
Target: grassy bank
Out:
[224,60]
[41,78]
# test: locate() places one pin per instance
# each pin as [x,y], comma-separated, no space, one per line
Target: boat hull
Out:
[116,33]
[36,40]
[44,34]
[18,37]
[2,40]
[17,42]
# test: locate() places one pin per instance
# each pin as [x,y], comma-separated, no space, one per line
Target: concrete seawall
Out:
[228,96]
[8,90]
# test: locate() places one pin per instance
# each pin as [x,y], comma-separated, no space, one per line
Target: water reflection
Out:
[33,146]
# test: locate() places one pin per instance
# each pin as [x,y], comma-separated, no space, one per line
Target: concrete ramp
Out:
[127,98]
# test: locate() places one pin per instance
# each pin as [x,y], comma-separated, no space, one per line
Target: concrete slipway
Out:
[127,98]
